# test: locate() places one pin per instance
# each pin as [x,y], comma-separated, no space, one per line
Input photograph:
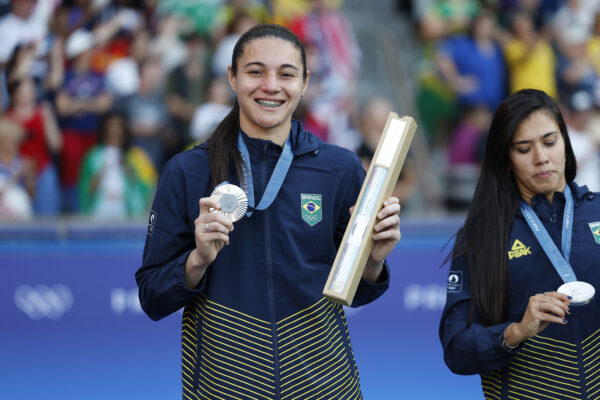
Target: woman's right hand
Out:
[211,234]
[542,309]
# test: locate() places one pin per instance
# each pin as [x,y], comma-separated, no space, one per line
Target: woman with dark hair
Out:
[116,179]
[256,324]
[41,144]
[509,314]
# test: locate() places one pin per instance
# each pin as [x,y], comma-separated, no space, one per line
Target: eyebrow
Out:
[529,141]
[259,64]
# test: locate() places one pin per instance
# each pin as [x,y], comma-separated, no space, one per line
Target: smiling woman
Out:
[256,324]
[530,228]
[269,84]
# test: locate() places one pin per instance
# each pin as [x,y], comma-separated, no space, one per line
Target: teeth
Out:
[269,103]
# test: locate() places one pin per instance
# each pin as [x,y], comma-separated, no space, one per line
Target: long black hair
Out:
[222,146]
[484,237]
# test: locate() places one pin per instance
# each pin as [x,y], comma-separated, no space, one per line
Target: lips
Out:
[269,103]
[543,174]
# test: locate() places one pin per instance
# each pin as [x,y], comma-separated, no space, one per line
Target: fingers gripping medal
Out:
[232,199]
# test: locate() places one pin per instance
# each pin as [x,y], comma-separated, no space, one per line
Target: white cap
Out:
[78,42]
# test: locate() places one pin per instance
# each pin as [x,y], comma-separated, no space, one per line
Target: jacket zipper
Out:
[271,294]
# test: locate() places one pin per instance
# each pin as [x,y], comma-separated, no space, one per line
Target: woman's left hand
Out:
[386,234]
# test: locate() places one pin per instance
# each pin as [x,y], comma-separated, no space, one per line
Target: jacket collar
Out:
[303,141]
[543,208]
[579,192]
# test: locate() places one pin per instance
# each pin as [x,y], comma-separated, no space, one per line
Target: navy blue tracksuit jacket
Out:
[562,361]
[257,325]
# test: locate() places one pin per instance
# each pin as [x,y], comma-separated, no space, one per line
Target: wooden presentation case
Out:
[379,183]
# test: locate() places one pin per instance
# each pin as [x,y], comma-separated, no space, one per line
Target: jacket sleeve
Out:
[476,349]
[169,241]
[366,292]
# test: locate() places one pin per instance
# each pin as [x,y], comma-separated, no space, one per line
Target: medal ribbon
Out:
[559,261]
[277,177]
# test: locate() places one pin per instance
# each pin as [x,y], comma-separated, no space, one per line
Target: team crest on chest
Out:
[595,227]
[311,206]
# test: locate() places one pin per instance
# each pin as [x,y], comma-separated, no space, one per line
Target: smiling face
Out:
[537,156]
[269,83]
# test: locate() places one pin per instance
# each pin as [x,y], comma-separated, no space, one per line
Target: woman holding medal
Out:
[255,323]
[520,309]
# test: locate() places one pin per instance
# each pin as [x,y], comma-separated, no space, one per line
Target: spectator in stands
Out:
[439,19]
[17,176]
[117,179]
[578,112]
[374,115]
[79,104]
[210,113]
[465,153]
[187,84]
[473,65]
[221,59]
[231,9]
[166,43]
[73,15]
[123,74]
[529,56]
[198,15]
[576,70]
[147,115]
[21,26]
[575,15]
[593,47]
[28,49]
[327,31]
[41,144]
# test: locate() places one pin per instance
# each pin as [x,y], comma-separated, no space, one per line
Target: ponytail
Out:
[222,147]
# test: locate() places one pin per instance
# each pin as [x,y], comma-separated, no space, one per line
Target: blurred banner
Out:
[73,327]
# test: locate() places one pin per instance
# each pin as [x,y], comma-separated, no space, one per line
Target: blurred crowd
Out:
[474,53]
[96,95]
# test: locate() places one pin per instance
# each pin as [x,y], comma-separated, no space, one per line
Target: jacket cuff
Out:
[367,291]
[504,346]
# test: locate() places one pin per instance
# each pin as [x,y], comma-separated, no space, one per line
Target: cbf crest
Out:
[595,227]
[311,207]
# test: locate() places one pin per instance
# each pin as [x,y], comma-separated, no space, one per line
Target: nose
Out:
[539,155]
[270,83]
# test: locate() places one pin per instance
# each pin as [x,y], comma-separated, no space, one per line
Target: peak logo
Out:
[518,249]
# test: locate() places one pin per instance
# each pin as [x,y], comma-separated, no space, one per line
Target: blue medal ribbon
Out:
[277,177]
[559,261]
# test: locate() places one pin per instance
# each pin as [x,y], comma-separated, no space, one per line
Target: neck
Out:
[527,195]
[276,135]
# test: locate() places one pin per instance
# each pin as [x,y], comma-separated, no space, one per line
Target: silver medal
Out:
[232,199]
[581,292]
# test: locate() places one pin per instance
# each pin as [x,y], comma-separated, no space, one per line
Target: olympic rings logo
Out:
[44,301]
